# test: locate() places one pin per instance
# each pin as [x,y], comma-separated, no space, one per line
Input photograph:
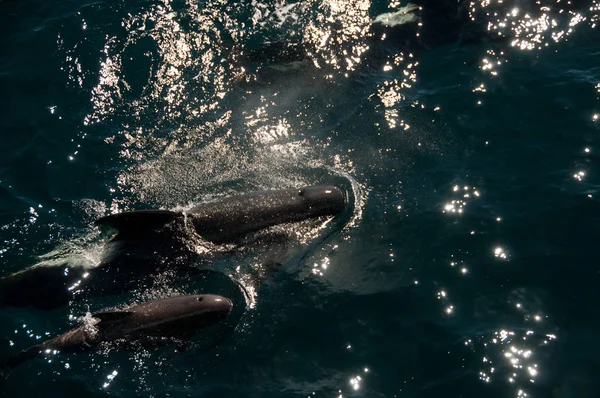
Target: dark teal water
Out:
[466,265]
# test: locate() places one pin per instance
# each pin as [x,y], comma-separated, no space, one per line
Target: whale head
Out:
[201,310]
[179,317]
[322,200]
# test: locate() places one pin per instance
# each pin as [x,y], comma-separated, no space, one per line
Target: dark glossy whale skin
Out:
[229,218]
[179,317]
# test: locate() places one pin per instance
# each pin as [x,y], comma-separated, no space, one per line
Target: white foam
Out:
[404,15]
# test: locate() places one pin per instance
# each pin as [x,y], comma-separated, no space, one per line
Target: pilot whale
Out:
[176,318]
[227,219]
[149,241]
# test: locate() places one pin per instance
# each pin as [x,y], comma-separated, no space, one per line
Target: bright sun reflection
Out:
[110,378]
[500,253]
[532,26]
[510,357]
[355,382]
[579,175]
[462,196]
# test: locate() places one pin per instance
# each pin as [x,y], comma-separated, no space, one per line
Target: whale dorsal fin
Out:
[112,316]
[138,221]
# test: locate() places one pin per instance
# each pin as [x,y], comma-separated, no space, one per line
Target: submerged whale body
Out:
[175,318]
[148,241]
[418,25]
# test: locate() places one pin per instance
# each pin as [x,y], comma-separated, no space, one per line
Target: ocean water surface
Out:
[465,264]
